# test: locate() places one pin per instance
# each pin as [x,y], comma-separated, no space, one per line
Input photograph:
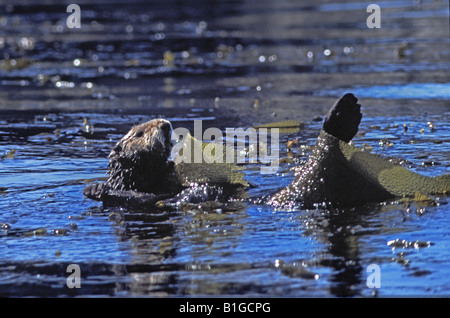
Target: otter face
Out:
[139,161]
[152,137]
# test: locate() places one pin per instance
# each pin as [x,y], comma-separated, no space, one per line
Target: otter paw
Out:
[94,191]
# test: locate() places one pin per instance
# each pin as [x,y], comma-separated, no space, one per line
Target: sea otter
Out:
[139,170]
[141,174]
[335,174]
[339,174]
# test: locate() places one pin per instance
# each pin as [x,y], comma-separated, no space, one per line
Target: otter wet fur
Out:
[339,174]
[139,170]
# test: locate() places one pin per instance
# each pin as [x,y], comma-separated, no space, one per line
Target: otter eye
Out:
[139,134]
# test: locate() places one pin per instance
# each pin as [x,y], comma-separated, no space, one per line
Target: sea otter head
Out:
[139,161]
[150,138]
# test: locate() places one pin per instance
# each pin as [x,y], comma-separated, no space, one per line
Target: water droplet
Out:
[129,28]
[160,36]
[327,52]
[185,54]
[348,50]
[26,43]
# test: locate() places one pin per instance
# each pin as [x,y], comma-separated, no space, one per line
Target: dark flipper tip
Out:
[343,118]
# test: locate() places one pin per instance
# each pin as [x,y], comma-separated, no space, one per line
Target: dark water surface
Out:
[67,95]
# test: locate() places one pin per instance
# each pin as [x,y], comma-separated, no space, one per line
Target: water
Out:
[400,91]
[67,95]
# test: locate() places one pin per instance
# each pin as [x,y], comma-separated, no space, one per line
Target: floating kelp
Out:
[211,173]
[14,64]
[420,198]
[394,178]
[204,165]
[37,232]
[285,127]
[9,155]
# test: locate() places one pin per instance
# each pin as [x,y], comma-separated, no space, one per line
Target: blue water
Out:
[253,252]
[413,91]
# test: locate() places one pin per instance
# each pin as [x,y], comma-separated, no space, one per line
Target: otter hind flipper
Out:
[344,118]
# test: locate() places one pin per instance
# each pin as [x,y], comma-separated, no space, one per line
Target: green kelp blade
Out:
[201,162]
[212,173]
[285,126]
[14,64]
[394,178]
